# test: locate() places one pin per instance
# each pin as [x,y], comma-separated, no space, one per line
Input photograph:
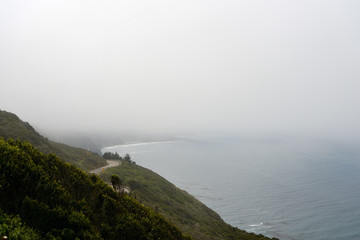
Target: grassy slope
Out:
[57,200]
[182,209]
[12,127]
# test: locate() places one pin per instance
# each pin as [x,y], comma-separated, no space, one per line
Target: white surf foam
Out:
[137,144]
[256,225]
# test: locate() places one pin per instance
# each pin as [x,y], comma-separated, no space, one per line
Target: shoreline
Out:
[134,144]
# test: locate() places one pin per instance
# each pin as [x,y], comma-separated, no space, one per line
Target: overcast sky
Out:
[278,66]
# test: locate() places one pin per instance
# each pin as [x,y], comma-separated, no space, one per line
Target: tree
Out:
[117,156]
[116,182]
[107,155]
[127,157]
[111,156]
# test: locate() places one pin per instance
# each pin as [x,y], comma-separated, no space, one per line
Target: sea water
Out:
[288,189]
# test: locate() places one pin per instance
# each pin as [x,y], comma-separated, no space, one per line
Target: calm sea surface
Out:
[285,189]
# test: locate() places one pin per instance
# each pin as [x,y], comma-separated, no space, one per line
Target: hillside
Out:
[179,207]
[13,127]
[43,197]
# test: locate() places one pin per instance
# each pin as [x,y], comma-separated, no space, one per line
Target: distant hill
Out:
[11,126]
[178,206]
[42,197]
[89,141]
[95,141]
[80,141]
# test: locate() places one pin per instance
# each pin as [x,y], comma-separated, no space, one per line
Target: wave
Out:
[262,225]
[139,144]
[256,225]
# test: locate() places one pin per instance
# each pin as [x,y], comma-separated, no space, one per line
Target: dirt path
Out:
[111,163]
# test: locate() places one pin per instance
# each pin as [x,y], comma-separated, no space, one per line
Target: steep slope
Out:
[179,207]
[57,200]
[11,126]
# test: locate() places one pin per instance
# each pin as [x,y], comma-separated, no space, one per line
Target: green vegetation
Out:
[15,229]
[44,197]
[116,182]
[179,207]
[116,156]
[12,127]
[112,156]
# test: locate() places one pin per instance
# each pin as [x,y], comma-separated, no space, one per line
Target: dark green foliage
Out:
[116,156]
[15,229]
[179,207]
[116,182]
[58,200]
[127,158]
[112,156]
[12,127]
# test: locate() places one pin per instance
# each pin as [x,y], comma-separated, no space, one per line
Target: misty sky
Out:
[271,66]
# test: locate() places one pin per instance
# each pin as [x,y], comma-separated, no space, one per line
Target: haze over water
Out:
[289,189]
[182,67]
[165,68]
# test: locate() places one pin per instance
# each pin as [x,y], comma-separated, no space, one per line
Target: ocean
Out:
[290,189]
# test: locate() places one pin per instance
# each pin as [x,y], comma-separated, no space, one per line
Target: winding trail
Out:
[111,164]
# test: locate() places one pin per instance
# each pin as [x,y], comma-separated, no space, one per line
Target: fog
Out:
[183,67]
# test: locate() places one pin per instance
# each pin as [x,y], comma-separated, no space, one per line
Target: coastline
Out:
[134,144]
